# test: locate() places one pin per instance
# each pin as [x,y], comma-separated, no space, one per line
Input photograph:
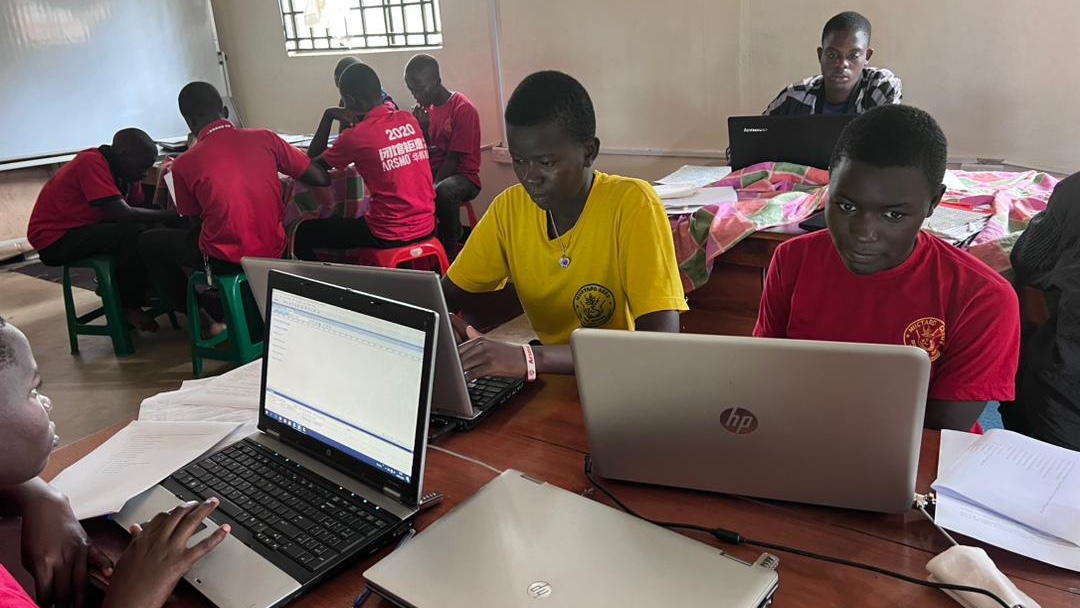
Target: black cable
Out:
[734,538]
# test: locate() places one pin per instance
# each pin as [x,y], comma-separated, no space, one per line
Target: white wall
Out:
[665,76]
[999,75]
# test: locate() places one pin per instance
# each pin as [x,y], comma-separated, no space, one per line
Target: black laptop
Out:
[802,140]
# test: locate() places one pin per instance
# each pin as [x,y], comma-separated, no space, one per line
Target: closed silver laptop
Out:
[520,542]
[824,423]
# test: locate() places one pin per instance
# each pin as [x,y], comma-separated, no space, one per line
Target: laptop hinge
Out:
[392,494]
[273,433]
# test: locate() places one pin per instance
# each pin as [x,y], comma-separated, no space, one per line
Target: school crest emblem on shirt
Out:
[928,333]
[594,305]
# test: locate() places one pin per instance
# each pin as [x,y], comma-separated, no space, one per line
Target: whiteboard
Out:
[73,72]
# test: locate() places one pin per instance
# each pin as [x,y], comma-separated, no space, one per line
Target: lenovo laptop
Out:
[802,140]
[520,542]
[336,469]
[464,401]
[825,423]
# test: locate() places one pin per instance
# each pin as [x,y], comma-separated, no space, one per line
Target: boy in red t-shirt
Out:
[92,207]
[55,549]
[387,148]
[228,183]
[452,129]
[875,277]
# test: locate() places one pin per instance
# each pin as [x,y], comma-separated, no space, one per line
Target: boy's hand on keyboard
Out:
[159,556]
[463,332]
[482,356]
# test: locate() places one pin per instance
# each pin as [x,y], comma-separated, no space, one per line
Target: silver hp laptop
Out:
[337,468]
[539,545]
[824,423]
[454,397]
[803,140]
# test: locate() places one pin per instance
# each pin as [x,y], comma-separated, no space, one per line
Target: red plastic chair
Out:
[470,211]
[430,253]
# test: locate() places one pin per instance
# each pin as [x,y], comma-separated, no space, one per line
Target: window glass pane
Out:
[414,18]
[322,43]
[397,19]
[305,44]
[416,39]
[429,18]
[373,19]
[376,41]
[435,40]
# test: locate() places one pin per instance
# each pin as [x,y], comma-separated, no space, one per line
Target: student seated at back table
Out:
[339,69]
[388,150]
[92,207]
[55,548]
[228,181]
[582,248]
[1047,256]
[846,84]
[875,277]
[451,127]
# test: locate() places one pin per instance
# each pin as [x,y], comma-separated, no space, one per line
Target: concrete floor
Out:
[95,389]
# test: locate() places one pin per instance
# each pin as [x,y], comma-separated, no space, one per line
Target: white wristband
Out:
[530,363]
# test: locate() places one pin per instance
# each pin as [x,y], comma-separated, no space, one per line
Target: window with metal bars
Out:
[357,25]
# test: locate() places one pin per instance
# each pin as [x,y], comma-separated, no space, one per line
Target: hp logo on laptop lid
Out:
[738,420]
[539,590]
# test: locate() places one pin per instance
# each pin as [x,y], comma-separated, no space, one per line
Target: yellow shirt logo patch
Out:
[928,333]
[594,305]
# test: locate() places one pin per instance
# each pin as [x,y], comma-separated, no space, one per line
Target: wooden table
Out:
[541,433]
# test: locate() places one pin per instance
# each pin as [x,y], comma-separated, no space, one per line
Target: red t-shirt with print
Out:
[940,299]
[73,198]
[455,127]
[388,150]
[229,178]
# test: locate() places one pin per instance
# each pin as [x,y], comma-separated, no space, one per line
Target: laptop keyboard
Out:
[491,390]
[282,505]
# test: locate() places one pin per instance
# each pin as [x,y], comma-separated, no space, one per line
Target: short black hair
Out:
[895,136]
[7,351]
[847,21]
[422,63]
[134,142]
[552,96]
[361,81]
[342,65]
[199,100]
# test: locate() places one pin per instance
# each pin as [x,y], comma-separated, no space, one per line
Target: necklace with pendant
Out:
[564,260]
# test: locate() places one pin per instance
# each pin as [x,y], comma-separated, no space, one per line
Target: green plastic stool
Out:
[115,326]
[240,348]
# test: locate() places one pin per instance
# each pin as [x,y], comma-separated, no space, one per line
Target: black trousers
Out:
[119,240]
[450,193]
[337,233]
[170,253]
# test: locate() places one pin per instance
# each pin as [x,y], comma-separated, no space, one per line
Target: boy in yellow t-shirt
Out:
[582,248]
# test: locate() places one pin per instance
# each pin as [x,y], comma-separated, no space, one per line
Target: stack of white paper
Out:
[134,460]
[720,195]
[1013,492]
[230,397]
[696,176]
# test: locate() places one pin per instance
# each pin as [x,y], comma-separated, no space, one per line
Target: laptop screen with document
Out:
[366,408]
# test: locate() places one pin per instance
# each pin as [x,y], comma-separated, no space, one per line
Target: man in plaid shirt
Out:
[846,85]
